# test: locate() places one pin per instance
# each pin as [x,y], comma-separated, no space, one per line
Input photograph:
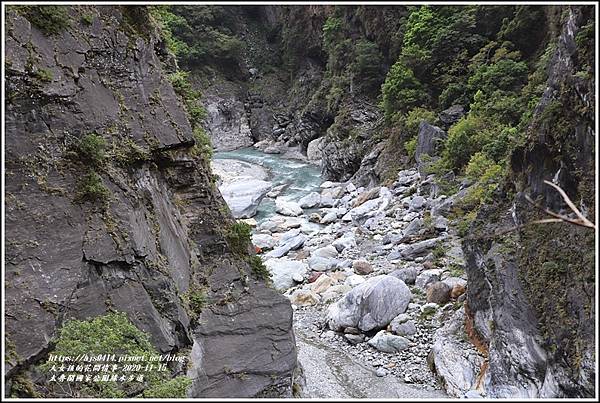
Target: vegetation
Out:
[119,337]
[91,188]
[238,237]
[50,19]
[91,149]
[258,268]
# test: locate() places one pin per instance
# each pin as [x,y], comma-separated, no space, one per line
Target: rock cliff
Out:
[110,208]
[530,297]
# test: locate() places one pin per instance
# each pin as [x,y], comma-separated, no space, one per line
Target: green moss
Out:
[49,19]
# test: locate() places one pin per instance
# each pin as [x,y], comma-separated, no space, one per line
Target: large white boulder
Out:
[243,197]
[370,305]
[283,271]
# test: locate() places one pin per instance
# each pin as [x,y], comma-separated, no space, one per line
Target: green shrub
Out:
[332,29]
[239,237]
[50,19]
[91,188]
[401,90]
[478,166]
[411,146]
[202,144]
[462,141]
[189,96]
[112,333]
[416,116]
[196,299]
[173,388]
[91,149]
[367,65]
[259,269]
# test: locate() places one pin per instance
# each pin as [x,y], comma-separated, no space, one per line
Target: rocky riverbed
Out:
[375,277]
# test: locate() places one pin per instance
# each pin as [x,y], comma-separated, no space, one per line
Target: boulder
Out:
[288,243]
[427,277]
[406,274]
[403,326]
[416,203]
[283,272]
[244,197]
[370,305]
[335,292]
[418,248]
[388,343]
[438,292]
[328,251]
[322,284]
[264,241]
[287,208]
[304,297]
[429,140]
[311,200]
[346,242]
[362,267]
[354,280]
[451,115]
[314,151]
[329,217]
[320,263]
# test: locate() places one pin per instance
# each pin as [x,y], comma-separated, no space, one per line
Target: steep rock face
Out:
[531,292]
[160,233]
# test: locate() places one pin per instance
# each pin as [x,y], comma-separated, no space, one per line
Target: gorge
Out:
[313,201]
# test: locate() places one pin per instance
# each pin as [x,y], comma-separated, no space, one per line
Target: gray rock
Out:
[451,115]
[354,338]
[326,201]
[311,200]
[440,223]
[406,274]
[287,208]
[388,343]
[319,263]
[328,251]
[314,151]
[380,372]
[362,267]
[283,272]
[287,244]
[243,197]
[264,241]
[371,305]
[416,203]
[345,242]
[404,329]
[429,140]
[329,217]
[427,277]
[454,362]
[419,248]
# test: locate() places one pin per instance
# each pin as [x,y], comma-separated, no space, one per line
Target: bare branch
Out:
[587,223]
